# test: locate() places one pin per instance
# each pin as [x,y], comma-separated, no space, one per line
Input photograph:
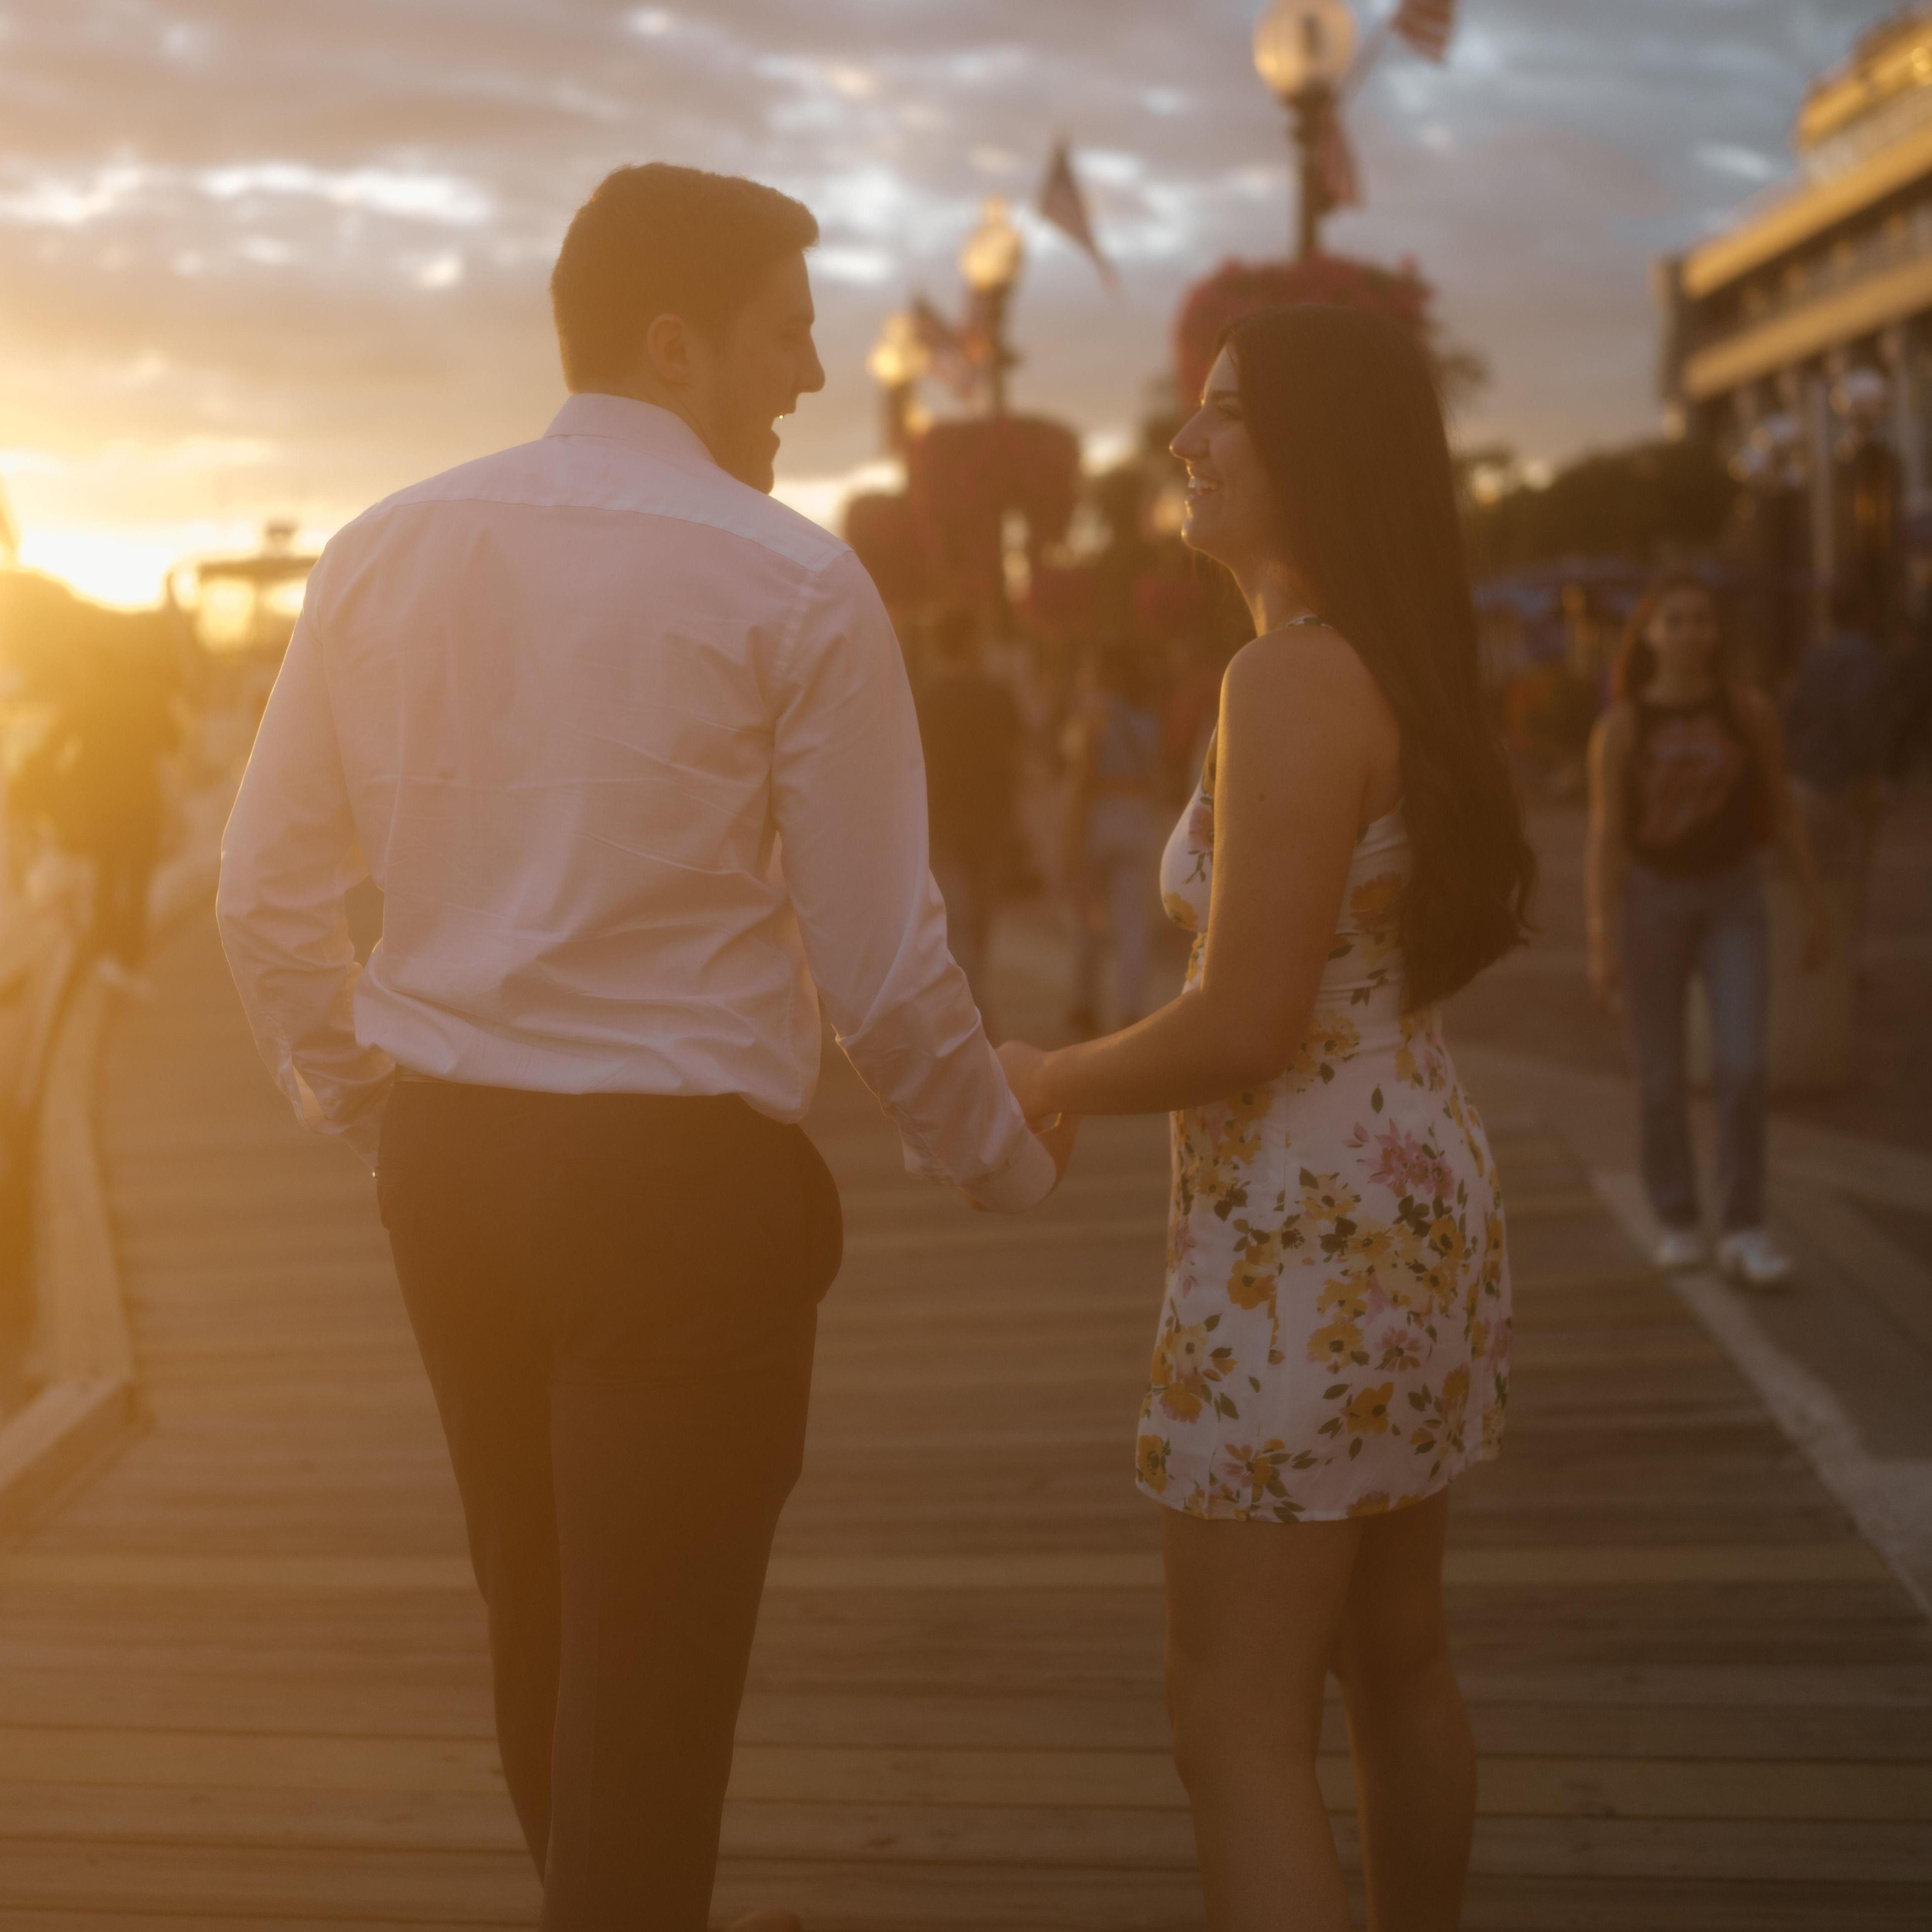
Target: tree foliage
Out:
[1652,502]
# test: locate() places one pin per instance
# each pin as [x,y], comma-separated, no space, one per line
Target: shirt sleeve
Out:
[289,857]
[849,794]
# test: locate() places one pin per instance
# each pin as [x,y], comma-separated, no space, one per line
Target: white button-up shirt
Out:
[629,748]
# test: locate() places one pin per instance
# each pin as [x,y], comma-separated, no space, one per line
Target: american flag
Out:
[1427,26]
[951,359]
[1335,159]
[1062,204]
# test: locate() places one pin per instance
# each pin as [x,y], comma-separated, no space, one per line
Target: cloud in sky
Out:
[310,242]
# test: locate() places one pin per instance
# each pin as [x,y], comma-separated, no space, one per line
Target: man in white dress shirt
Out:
[629,748]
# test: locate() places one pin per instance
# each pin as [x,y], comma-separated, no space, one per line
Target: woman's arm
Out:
[1304,731]
[1793,834]
[1606,855]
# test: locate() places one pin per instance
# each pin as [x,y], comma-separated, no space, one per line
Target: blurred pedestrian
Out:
[1840,717]
[1187,715]
[970,727]
[1688,779]
[117,729]
[1113,832]
[1909,739]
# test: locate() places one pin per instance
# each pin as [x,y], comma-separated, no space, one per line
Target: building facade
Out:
[1799,341]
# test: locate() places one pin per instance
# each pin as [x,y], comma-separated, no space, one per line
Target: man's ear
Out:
[667,351]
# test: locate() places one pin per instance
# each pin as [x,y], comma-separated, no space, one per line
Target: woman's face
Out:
[1231,508]
[1683,633]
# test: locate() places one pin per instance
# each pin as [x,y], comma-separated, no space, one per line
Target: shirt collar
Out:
[624,419]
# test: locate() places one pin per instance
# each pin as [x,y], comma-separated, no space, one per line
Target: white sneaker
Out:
[1752,1259]
[1681,1248]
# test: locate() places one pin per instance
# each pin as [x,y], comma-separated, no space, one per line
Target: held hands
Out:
[1057,1135]
[1057,1131]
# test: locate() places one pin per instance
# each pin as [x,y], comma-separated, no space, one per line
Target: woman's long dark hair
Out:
[1344,413]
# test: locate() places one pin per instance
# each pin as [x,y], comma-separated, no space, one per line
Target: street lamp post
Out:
[897,361]
[1302,50]
[991,262]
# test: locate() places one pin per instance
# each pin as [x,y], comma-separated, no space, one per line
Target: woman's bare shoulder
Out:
[1304,665]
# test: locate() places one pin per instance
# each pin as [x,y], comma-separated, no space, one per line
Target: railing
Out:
[1894,245]
[44,896]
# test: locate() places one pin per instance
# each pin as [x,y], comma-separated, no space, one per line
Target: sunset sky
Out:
[279,256]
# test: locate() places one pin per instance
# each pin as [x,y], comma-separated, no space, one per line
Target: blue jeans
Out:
[1713,927]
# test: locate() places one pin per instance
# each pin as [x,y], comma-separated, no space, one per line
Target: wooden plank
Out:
[1122,1840]
[1775,1563]
[888,1776]
[1700,1701]
[213,1884]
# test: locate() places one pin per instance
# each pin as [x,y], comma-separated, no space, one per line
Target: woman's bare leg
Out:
[1253,1611]
[1415,1759]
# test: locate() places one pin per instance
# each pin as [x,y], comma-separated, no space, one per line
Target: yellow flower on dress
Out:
[1338,1345]
[1372,1244]
[1327,1197]
[1184,1368]
[1252,1474]
[1239,1139]
[1447,1237]
[1151,1459]
[1330,1040]
[1368,1410]
[1373,903]
[1257,1265]
[1375,1503]
[1178,909]
[1345,1296]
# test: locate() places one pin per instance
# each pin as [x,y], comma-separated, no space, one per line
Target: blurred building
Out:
[1799,341]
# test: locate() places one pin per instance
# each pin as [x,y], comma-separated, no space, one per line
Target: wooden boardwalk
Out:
[242,1676]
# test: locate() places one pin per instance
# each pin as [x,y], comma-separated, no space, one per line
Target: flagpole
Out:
[1371,50]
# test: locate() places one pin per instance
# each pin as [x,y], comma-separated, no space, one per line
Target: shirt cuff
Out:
[1023,1183]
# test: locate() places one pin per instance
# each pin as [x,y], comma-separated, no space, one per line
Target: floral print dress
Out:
[1335,1338]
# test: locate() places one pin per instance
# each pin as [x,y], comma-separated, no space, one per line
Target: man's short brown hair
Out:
[660,240]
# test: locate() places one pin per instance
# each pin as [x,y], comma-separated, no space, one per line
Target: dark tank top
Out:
[1693,802]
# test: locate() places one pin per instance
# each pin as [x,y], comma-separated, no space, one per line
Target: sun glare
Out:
[127,565]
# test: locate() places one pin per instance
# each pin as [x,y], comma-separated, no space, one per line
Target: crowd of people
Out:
[1058,775]
[107,693]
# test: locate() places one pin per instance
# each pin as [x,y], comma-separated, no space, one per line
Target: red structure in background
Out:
[963,479]
[883,531]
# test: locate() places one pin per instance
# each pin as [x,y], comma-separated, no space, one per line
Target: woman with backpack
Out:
[1687,780]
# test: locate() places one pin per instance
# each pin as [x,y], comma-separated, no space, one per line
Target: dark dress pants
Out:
[615,1296]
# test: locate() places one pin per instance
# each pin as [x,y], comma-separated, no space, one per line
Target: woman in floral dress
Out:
[1333,1347]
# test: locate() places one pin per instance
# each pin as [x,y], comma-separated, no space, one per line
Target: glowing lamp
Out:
[990,259]
[898,357]
[1301,45]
